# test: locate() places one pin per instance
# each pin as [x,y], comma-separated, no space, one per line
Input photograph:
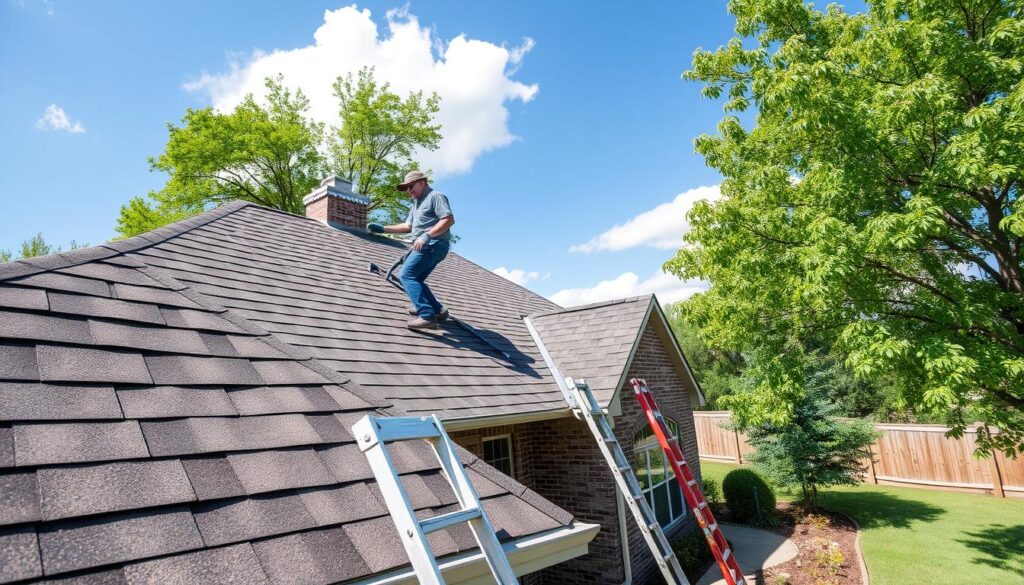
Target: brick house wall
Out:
[559,459]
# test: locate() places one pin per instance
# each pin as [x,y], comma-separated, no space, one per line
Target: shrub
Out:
[739,487]
[711,492]
[693,553]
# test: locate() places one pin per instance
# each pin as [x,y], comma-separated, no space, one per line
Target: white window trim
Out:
[657,447]
[511,449]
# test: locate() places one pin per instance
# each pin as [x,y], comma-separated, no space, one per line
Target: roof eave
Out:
[527,554]
[492,420]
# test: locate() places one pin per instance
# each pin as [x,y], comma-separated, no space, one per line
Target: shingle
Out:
[82,544]
[16,325]
[21,401]
[6,446]
[205,435]
[218,345]
[212,478]
[345,399]
[19,554]
[515,517]
[311,558]
[174,402]
[184,370]
[19,498]
[18,362]
[102,307]
[39,444]
[346,462]
[264,471]
[162,339]
[412,456]
[419,493]
[223,522]
[23,298]
[110,273]
[254,347]
[287,372]
[156,296]
[484,487]
[112,487]
[534,499]
[54,281]
[236,564]
[203,320]
[59,363]
[329,428]
[439,486]
[111,577]
[343,504]
[378,543]
[281,399]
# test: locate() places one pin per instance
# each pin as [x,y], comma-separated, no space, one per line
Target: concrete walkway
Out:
[755,549]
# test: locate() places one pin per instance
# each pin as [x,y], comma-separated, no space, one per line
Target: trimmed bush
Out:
[738,488]
[711,492]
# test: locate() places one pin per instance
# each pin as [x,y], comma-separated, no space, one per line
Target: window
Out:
[656,477]
[498,453]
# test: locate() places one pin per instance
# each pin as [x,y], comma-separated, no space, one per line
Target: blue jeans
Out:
[415,271]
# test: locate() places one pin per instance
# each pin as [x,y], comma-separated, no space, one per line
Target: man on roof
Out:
[429,221]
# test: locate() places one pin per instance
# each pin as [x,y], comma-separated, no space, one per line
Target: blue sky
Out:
[582,124]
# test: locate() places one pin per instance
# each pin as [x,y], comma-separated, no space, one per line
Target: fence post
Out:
[871,463]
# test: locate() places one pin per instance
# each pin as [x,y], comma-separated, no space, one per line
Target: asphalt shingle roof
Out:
[594,341]
[150,432]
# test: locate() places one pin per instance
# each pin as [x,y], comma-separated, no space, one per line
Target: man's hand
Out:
[375,228]
[420,242]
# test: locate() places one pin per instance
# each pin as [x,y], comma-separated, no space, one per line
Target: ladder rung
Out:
[609,439]
[624,468]
[702,505]
[692,482]
[713,527]
[725,555]
[445,520]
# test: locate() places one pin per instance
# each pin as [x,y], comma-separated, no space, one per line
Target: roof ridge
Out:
[39,264]
[596,305]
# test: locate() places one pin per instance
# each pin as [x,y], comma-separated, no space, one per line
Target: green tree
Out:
[378,136]
[36,246]
[719,372]
[5,256]
[265,154]
[872,203]
[813,448]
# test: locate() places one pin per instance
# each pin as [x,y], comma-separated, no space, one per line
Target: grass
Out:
[927,536]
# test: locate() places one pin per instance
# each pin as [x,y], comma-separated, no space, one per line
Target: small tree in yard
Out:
[814,449]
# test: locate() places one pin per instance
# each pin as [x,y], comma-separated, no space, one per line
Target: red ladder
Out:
[694,496]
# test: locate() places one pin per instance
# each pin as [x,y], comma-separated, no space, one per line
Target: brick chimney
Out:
[336,204]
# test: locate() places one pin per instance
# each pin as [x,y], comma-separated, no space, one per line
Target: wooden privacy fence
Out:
[905,454]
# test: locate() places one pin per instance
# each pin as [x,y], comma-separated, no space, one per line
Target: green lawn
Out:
[927,536]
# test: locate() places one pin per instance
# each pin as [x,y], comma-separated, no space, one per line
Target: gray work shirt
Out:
[426,211]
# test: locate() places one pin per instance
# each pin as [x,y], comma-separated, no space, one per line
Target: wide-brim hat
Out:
[410,178]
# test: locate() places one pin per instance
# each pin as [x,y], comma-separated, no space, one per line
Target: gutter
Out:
[526,555]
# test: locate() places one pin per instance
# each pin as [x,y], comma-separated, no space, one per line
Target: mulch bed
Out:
[828,553]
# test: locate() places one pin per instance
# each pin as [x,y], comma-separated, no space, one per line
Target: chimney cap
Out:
[336,187]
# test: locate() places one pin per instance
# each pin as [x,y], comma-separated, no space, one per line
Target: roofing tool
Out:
[691,490]
[629,487]
[372,432]
[389,277]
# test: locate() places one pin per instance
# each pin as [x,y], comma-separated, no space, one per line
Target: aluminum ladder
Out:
[372,434]
[691,490]
[626,480]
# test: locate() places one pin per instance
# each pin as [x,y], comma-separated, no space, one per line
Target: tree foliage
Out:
[268,154]
[874,203]
[378,136]
[719,372]
[813,449]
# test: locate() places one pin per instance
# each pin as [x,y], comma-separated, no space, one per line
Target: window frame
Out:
[511,451]
[641,456]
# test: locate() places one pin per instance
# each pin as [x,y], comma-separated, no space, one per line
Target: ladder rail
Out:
[695,499]
[372,433]
[625,479]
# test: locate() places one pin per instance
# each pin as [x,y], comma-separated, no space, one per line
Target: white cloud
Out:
[47,5]
[55,118]
[662,227]
[669,289]
[471,76]
[520,276]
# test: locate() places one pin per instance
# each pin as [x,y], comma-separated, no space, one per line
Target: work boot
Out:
[421,323]
[412,311]
[441,317]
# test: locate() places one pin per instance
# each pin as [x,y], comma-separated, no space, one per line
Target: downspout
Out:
[620,508]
